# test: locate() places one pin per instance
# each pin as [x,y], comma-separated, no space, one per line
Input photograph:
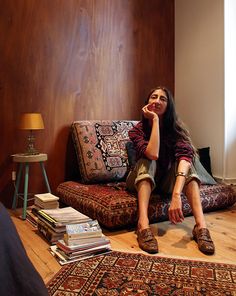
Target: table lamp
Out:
[31,122]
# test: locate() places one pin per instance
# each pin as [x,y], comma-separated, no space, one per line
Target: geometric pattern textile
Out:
[100,149]
[120,273]
[114,207]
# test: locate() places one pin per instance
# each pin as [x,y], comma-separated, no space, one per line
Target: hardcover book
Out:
[63,216]
[46,197]
[80,230]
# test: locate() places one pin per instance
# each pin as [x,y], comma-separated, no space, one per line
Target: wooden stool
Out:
[24,159]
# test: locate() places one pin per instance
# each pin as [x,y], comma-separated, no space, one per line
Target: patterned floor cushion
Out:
[114,207]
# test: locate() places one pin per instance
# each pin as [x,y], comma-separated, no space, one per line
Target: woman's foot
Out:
[203,238]
[147,241]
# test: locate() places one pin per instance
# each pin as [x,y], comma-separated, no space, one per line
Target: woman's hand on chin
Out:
[148,113]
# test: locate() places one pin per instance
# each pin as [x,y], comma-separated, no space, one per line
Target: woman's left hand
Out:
[175,210]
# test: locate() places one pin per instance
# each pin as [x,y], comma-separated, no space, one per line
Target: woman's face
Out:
[158,102]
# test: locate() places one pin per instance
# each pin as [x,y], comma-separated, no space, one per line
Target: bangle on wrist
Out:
[181,174]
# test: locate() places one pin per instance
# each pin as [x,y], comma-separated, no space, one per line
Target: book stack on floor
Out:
[52,222]
[81,241]
[41,201]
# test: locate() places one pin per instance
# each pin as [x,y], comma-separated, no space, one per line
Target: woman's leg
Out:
[200,232]
[193,195]
[145,237]
[142,180]
[144,192]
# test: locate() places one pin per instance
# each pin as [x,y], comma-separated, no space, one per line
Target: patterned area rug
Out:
[121,273]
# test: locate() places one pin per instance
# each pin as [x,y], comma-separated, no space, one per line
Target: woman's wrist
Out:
[176,194]
[155,118]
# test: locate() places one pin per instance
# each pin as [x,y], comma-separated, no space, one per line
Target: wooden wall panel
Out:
[74,60]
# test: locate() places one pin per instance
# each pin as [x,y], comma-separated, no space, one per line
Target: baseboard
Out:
[228,181]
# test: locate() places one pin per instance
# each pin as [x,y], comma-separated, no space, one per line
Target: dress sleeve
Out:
[137,136]
[184,151]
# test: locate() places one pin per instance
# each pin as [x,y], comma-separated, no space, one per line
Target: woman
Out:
[166,159]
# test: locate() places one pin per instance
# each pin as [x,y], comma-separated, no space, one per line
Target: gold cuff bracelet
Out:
[181,174]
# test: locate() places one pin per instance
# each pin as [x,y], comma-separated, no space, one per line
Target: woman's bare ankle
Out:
[201,225]
[143,224]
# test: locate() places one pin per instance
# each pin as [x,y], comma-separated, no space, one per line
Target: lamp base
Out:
[30,148]
[31,152]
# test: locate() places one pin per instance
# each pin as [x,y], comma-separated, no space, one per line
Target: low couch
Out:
[100,193]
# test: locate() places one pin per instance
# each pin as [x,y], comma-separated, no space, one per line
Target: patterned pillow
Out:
[100,149]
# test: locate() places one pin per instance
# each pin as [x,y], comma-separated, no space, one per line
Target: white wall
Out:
[199,74]
[230,90]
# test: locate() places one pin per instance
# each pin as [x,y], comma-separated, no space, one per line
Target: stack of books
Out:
[41,201]
[81,241]
[46,201]
[52,222]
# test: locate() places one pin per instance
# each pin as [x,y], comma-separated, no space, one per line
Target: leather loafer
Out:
[147,241]
[204,241]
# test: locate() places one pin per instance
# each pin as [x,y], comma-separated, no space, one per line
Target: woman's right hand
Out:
[148,113]
[175,210]
[152,150]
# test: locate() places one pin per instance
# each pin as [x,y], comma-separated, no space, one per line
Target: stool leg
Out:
[45,176]
[15,198]
[26,189]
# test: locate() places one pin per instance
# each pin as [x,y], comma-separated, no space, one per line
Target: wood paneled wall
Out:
[74,60]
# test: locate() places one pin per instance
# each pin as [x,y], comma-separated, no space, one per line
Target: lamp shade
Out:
[31,121]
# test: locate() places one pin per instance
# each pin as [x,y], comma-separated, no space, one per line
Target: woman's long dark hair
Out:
[173,127]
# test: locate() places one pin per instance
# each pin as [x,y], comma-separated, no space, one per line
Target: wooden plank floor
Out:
[174,241]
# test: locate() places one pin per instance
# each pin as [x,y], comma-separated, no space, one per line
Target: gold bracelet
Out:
[181,174]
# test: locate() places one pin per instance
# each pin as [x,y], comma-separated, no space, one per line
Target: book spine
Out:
[47,217]
[55,229]
[48,233]
[32,222]
[49,224]
[84,235]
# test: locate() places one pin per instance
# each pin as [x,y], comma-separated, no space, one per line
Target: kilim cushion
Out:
[100,149]
[114,207]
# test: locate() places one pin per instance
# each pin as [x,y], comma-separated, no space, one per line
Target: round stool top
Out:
[22,157]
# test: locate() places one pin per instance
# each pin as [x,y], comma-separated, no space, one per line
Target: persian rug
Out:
[119,273]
